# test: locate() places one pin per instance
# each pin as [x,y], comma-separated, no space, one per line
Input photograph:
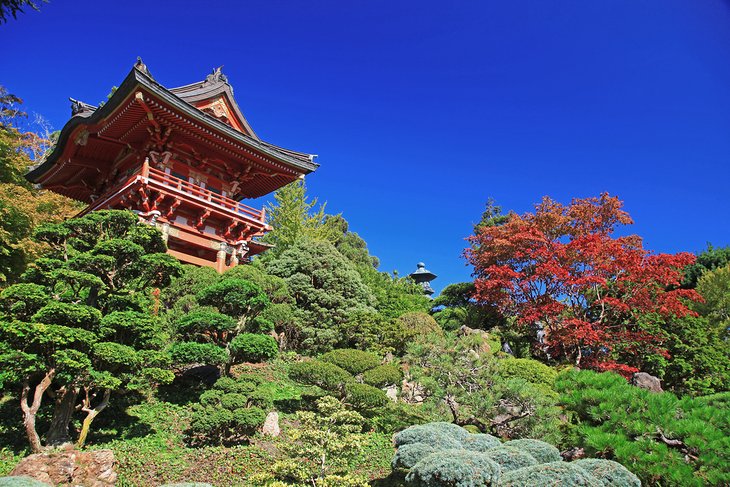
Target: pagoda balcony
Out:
[148,189]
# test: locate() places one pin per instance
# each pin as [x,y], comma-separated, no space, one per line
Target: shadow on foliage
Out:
[187,387]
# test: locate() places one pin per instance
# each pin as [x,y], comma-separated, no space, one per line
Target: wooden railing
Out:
[196,191]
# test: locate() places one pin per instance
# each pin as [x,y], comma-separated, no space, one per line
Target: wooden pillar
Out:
[220,261]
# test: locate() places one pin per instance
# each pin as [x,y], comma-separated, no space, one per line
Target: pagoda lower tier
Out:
[200,226]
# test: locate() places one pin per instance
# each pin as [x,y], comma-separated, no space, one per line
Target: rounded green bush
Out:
[454,468]
[554,474]
[382,376]
[363,396]
[253,347]
[354,361]
[450,428]
[408,455]
[611,473]
[232,401]
[480,442]
[510,458]
[543,452]
[248,419]
[427,433]
[204,321]
[198,353]
[21,481]
[527,369]
[328,376]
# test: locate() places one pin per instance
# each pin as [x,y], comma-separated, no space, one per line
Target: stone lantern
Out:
[423,277]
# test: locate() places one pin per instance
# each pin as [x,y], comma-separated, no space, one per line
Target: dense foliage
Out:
[661,438]
[590,298]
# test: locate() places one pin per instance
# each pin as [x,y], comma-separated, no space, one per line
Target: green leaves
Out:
[253,347]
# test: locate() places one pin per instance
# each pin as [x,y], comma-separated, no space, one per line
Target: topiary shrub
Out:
[382,376]
[454,468]
[198,353]
[253,347]
[408,455]
[431,434]
[363,396]
[227,413]
[555,474]
[610,473]
[449,428]
[354,361]
[417,325]
[328,376]
[480,442]
[543,452]
[21,481]
[510,458]
[527,369]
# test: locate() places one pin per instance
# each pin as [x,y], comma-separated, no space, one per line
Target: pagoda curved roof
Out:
[182,100]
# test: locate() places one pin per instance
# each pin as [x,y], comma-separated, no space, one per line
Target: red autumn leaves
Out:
[598,298]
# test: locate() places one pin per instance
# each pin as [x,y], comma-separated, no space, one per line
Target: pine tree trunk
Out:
[30,410]
[58,433]
[90,415]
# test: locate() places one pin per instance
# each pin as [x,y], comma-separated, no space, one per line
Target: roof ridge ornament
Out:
[142,67]
[217,76]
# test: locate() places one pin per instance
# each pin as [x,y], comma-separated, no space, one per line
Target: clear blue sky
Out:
[419,111]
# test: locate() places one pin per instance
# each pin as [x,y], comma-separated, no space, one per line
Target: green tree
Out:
[293,217]
[707,260]
[322,446]
[22,207]
[470,386]
[454,308]
[327,289]
[79,328]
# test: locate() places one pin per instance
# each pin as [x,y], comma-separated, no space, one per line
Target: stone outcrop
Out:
[70,468]
[271,425]
[647,381]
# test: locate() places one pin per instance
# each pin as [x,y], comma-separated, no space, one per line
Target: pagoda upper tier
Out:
[200,124]
[181,158]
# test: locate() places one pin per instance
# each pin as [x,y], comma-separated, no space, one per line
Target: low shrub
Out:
[328,376]
[226,414]
[205,324]
[21,481]
[454,468]
[541,451]
[480,442]
[354,361]
[198,353]
[408,455]
[555,474]
[610,473]
[253,347]
[382,376]
[510,458]
[428,433]
[626,423]
[527,369]
[363,396]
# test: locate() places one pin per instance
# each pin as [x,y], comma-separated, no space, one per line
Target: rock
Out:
[412,392]
[392,393]
[271,425]
[647,381]
[484,345]
[70,468]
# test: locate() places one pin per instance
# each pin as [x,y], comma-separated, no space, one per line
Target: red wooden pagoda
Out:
[181,158]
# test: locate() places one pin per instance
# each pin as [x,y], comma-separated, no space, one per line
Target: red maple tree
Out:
[598,298]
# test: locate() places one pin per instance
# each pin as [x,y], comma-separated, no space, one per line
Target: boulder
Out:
[647,381]
[392,393]
[271,425]
[70,468]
